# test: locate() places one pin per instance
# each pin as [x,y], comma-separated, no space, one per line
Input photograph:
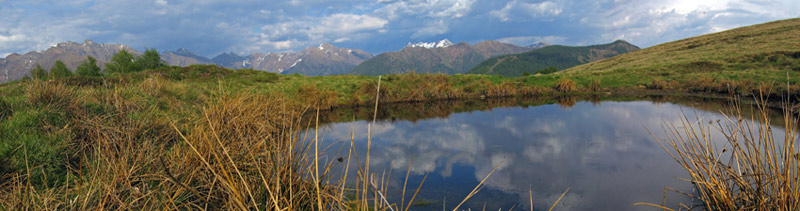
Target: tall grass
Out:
[133,146]
[753,170]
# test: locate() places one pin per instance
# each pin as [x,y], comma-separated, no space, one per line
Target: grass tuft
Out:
[753,170]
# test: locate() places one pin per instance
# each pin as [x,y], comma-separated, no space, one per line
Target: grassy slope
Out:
[752,54]
[558,56]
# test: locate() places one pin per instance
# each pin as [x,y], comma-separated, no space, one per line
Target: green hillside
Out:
[747,55]
[558,56]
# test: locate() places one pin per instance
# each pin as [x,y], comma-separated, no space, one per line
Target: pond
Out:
[600,149]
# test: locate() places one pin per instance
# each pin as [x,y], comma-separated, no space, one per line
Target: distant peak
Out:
[621,42]
[88,42]
[183,50]
[538,44]
[441,44]
[323,46]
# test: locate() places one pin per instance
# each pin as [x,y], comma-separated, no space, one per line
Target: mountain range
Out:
[438,57]
[324,59]
[557,56]
[17,66]
[434,57]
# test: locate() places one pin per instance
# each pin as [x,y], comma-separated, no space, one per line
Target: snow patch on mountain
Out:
[441,44]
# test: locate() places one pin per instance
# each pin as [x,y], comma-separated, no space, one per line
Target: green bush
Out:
[149,60]
[60,70]
[89,67]
[39,73]
[548,70]
[122,62]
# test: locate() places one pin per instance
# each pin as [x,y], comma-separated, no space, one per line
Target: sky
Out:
[211,27]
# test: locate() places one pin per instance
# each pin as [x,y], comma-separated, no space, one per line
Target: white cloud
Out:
[348,23]
[546,8]
[527,40]
[432,29]
[12,38]
[653,21]
[161,2]
[307,31]
[446,9]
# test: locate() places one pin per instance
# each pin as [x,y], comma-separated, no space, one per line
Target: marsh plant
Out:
[756,168]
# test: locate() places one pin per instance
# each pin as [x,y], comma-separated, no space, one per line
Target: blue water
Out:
[602,151]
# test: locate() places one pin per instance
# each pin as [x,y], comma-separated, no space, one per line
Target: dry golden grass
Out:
[244,151]
[753,170]
[565,85]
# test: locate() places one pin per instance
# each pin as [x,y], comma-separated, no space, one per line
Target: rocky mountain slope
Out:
[183,57]
[324,59]
[438,57]
[17,66]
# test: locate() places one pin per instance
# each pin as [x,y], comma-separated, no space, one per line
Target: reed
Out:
[754,169]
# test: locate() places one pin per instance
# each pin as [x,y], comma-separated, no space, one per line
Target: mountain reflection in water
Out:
[600,149]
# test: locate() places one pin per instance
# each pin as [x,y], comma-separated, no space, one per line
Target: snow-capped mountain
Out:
[324,59]
[539,44]
[441,44]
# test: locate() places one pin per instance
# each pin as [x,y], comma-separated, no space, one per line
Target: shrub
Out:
[89,67]
[59,70]
[150,60]
[122,62]
[39,73]
[565,85]
[548,70]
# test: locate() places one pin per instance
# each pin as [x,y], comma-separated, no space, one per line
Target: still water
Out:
[602,150]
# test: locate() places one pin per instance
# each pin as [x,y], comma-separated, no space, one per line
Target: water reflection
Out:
[600,149]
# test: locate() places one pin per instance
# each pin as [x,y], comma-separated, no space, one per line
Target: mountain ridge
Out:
[16,66]
[453,59]
[558,56]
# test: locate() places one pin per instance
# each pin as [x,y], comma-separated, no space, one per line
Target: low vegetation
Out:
[755,169]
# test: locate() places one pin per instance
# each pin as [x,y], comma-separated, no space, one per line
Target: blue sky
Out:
[211,27]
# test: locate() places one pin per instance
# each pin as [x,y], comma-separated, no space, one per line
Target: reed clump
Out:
[755,168]
[565,85]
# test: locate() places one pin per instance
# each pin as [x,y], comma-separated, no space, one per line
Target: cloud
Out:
[308,31]
[432,29]
[516,8]
[209,27]
[527,40]
[651,22]
[347,24]
[343,39]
